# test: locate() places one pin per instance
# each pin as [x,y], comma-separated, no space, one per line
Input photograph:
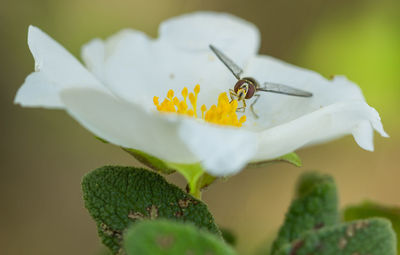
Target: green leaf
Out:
[291,158]
[315,206]
[370,209]
[170,238]
[119,196]
[373,236]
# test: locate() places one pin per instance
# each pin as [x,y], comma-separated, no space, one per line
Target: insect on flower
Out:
[247,87]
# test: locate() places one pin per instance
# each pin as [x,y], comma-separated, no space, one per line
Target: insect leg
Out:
[232,94]
[252,105]
[243,108]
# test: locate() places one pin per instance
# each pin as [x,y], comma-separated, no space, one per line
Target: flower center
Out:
[224,113]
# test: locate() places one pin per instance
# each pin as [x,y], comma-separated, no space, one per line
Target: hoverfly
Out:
[247,87]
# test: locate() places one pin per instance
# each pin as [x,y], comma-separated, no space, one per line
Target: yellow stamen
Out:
[193,101]
[185,93]
[224,113]
[197,89]
[170,94]
[155,100]
[176,101]
[203,110]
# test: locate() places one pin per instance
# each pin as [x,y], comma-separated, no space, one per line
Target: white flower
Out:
[112,94]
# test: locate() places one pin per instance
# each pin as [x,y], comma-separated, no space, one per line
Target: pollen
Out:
[224,113]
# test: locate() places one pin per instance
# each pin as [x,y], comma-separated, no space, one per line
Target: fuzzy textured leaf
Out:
[117,196]
[370,209]
[374,236]
[315,206]
[170,238]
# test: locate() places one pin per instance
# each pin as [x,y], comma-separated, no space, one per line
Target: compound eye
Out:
[239,85]
[251,90]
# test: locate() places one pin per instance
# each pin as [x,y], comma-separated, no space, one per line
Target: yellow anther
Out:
[170,94]
[176,101]
[223,98]
[197,89]
[155,101]
[182,107]
[190,113]
[192,98]
[224,113]
[185,92]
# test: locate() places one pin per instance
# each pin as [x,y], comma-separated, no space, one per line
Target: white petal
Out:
[223,151]
[363,134]
[38,91]
[138,67]
[93,55]
[96,52]
[320,126]
[195,31]
[127,125]
[305,121]
[276,109]
[58,69]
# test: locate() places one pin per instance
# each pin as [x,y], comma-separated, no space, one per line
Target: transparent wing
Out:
[235,69]
[283,89]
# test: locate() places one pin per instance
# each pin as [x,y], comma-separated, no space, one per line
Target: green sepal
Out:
[150,161]
[194,174]
[370,209]
[315,206]
[170,238]
[373,236]
[146,159]
[291,158]
[196,177]
[118,196]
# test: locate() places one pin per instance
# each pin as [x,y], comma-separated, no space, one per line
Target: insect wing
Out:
[283,89]
[235,69]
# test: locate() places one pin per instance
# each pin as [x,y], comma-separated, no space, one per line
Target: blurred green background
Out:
[44,153]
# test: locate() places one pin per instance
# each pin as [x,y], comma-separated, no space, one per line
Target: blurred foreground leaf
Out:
[315,206]
[228,236]
[373,236]
[163,237]
[119,196]
[370,209]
